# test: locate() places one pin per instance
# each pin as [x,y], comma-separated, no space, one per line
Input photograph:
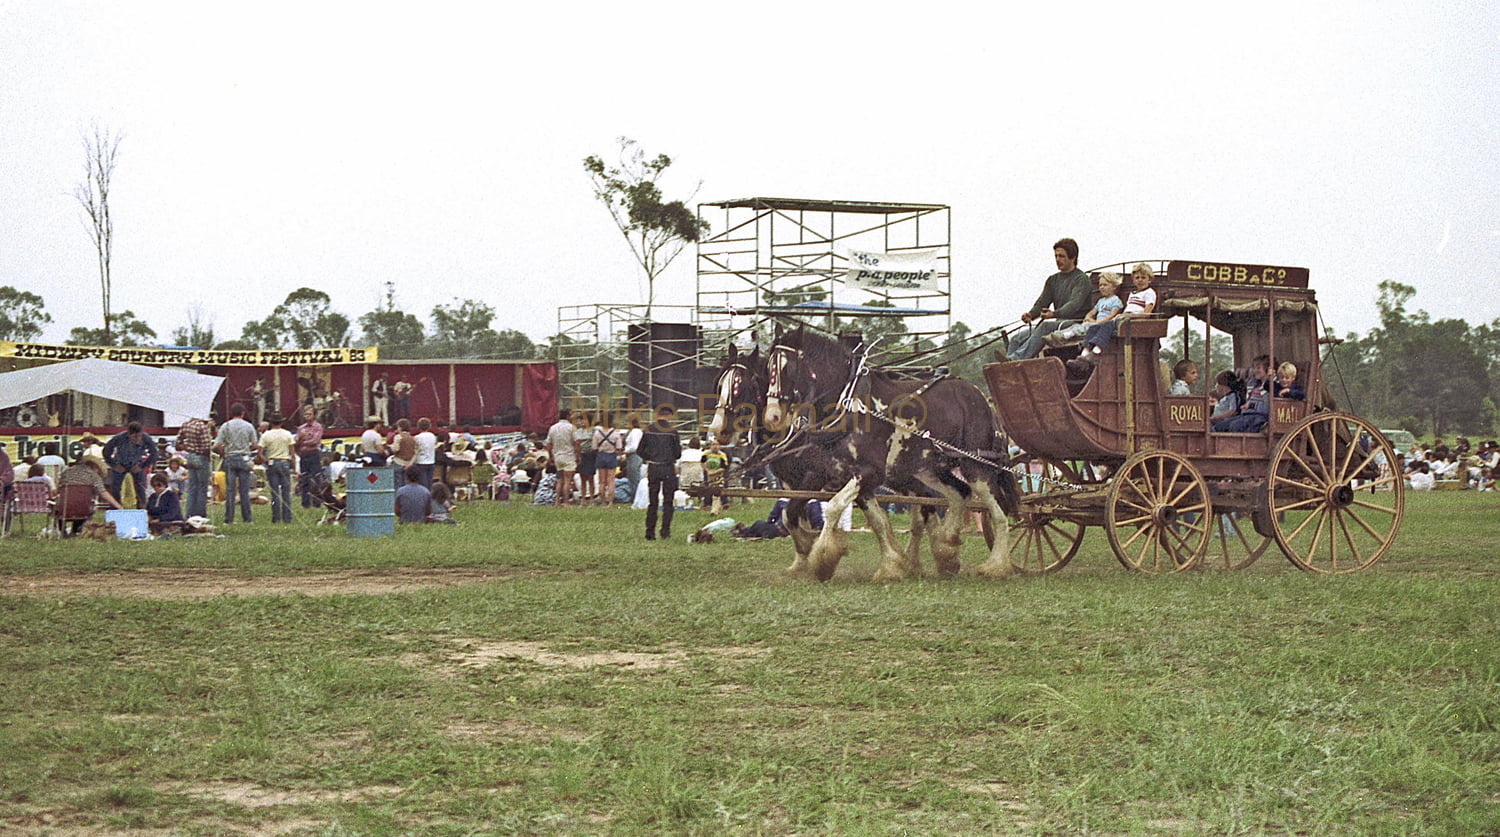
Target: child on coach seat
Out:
[1286,382]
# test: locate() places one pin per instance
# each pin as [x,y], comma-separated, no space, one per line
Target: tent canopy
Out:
[177,393]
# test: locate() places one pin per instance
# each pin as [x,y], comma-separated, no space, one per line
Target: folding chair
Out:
[460,478]
[74,503]
[30,498]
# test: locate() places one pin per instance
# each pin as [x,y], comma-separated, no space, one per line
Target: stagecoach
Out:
[1113,449]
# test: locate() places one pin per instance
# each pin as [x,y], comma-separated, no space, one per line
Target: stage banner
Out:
[908,270]
[194,357]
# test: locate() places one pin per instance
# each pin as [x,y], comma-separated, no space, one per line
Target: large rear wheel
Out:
[1158,513]
[1333,506]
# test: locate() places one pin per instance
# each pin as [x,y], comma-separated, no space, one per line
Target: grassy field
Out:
[535,671]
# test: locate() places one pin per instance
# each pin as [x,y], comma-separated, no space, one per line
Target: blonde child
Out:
[1105,309]
[1286,382]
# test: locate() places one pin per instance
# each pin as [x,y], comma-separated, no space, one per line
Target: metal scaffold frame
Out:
[760,263]
[597,361]
[763,258]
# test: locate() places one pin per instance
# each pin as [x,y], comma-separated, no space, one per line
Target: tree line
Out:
[304,320]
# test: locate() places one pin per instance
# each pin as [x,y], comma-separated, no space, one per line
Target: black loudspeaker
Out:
[662,367]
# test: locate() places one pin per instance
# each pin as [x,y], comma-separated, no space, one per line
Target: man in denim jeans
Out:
[195,441]
[309,448]
[237,443]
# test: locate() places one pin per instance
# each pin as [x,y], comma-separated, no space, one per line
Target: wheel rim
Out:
[1323,521]
[1041,543]
[1158,513]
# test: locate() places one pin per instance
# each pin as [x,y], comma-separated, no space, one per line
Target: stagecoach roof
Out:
[794,204]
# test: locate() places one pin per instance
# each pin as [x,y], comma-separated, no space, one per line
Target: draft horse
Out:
[863,428]
[741,389]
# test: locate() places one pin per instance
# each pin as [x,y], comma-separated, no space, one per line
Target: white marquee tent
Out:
[177,393]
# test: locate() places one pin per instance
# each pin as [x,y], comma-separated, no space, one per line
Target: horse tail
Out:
[1007,490]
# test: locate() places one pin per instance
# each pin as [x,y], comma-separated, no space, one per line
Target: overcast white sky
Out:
[271,146]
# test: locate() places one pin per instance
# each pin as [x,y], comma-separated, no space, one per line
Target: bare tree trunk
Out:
[101,151]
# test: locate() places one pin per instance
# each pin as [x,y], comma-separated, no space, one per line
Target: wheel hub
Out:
[1164,515]
[1341,496]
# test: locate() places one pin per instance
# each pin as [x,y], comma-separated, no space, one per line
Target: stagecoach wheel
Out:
[1158,513]
[1040,543]
[1233,542]
[1333,507]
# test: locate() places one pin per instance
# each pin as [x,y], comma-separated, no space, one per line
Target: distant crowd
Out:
[1429,466]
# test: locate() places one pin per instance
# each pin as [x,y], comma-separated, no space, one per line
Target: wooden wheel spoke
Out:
[1300,504]
[1348,473]
[1317,534]
[1349,456]
[1186,490]
[1311,472]
[1140,558]
[1166,485]
[1366,504]
[1148,498]
[1182,541]
[1140,530]
[1312,442]
[1385,480]
[1303,525]
[1369,530]
[1349,538]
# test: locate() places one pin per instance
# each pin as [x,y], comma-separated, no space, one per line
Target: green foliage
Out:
[305,320]
[463,329]
[397,333]
[1412,368]
[656,229]
[21,315]
[196,333]
[125,330]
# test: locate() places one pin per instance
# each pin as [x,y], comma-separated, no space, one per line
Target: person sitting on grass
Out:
[440,504]
[89,471]
[413,499]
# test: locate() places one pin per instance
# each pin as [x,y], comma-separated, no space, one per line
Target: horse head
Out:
[741,387]
[803,369]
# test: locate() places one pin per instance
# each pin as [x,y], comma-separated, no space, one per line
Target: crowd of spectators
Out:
[1461,466]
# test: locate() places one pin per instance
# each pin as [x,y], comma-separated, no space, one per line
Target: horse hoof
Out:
[994,572]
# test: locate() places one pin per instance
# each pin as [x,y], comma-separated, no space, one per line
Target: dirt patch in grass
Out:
[172,584]
[255,796]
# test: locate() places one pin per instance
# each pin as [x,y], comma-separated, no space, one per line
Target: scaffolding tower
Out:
[786,261]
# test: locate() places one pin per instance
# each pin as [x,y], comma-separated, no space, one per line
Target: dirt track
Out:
[187,584]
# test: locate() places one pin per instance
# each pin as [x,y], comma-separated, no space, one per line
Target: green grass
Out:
[604,684]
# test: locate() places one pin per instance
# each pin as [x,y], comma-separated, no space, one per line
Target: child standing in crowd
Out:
[177,475]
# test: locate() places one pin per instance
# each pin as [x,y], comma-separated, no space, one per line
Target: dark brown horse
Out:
[741,389]
[864,428]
